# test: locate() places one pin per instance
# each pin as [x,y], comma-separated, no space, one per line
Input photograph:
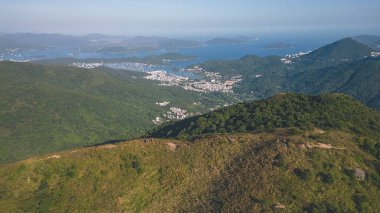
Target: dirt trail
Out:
[107,146]
[319,145]
[54,156]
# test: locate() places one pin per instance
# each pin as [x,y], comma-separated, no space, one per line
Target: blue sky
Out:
[188,17]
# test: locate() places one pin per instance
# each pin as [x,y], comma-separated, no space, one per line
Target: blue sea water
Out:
[202,53]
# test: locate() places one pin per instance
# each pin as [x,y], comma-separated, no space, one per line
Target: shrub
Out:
[304,174]
[326,177]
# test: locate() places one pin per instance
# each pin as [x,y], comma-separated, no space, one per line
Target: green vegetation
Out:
[345,49]
[336,111]
[371,41]
[216,173]
[358,79]
[51,108]
[342,66]
[309,166]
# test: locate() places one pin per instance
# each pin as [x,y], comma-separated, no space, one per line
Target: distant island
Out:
[278,45]
[221,41]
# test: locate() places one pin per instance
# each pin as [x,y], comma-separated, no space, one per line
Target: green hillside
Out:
[371,41]
[334,168]
[335,111]
[342,66]
[51,108]
[345,49]
[358,79]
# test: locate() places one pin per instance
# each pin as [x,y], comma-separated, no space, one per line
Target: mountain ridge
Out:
[289,169]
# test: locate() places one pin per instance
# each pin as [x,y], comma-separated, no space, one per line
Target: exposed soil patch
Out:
[107,146]
[172,146]
[54,156]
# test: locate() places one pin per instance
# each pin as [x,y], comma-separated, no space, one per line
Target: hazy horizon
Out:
[190,19]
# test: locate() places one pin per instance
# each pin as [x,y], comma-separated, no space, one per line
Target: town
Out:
[211,82]
[133,66]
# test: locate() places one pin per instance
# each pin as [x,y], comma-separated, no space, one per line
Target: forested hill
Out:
[345,49]
[333,111]
[51,108]
[359,79]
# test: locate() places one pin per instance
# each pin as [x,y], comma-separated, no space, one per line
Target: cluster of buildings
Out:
[212,81]
[375,54]
[134,66]
[86,65]
[195,69]
[162,104]
[213,85]
[176,113]
[158,121]
[288,59]
[206,86]
[10,53]
[169,79]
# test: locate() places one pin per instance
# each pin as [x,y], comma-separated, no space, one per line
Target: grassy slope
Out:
[51,108]
[240,172]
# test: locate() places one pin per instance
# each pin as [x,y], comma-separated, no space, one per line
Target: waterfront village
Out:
[211,82]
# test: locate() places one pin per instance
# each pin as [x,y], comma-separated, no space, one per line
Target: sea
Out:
[201,54]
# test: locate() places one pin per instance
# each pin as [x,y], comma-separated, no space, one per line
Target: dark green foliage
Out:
[370,145]
[136,164]
[358,79]
[345,49]
[326,177]
[321,207]
[371,41]
[286,110]
[304,174]
[361,202]
[279,161]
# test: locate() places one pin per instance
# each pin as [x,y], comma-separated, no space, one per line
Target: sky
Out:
[189,17]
